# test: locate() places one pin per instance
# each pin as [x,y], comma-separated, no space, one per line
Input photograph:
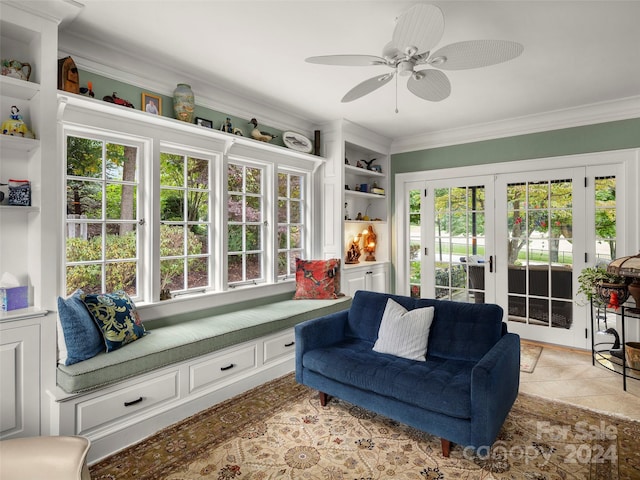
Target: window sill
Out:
[185,304]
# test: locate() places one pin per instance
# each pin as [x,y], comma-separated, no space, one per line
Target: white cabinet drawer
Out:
[221,366]
[107,408]
[279,346]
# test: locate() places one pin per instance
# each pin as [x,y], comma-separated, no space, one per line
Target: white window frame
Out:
[141,212]
[264,224]
[154,134]
[213,252]
[304,219]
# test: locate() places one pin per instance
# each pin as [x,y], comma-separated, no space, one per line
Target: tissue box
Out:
[14,298]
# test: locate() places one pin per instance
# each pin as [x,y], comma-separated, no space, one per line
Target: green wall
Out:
[567,141]
[103,86]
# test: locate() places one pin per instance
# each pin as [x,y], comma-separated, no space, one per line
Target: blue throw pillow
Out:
[116,316]
[81,338]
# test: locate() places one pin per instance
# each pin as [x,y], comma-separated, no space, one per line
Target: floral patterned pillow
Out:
[317,279]
[116,316]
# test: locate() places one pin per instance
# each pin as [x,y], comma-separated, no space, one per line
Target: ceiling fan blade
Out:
[367,86]
[474,54]
[418,29]
[432,85]
[347,60]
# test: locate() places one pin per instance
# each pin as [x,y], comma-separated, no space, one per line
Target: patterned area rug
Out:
[279,430]
[529,355]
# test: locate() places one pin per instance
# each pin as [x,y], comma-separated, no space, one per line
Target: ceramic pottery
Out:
[183,103]
[16,69]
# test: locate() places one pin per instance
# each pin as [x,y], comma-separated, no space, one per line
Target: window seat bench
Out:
[173,340]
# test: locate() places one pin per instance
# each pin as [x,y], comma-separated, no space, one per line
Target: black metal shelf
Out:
[603,356]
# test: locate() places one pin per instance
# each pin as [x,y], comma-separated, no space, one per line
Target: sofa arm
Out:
[494,387]
[318,333]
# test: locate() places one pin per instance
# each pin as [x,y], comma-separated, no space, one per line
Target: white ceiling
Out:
[576,53]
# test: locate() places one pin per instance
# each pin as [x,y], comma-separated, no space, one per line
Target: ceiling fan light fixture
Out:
[405,68]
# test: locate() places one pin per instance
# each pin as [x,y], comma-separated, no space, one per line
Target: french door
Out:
[516,239]
[541,221]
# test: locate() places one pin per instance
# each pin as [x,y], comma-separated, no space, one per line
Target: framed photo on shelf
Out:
[151,104]
[203,122]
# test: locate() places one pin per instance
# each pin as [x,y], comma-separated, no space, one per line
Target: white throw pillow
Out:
[404,333]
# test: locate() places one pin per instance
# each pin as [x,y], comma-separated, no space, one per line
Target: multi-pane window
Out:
[605,224]
[158,226]
[290,222]
[185,226]
[102,237]
[245,250]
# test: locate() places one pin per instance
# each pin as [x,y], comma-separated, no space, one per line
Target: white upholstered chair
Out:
[40,458]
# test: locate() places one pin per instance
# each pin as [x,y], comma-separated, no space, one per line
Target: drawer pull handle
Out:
[289,344]
[228,367]
[133,402]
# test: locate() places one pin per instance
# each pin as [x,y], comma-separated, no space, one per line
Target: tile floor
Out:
[567,375]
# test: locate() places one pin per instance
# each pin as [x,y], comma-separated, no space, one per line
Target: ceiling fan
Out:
[417,31]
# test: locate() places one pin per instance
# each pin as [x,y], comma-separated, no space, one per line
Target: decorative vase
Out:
[184,103]
[634,290]
[606,289]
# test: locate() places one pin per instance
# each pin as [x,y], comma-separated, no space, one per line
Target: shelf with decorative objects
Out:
[355,180]
[609,346]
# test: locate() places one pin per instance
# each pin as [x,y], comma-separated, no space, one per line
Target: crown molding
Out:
[59,11]
[602,112]
[162,78]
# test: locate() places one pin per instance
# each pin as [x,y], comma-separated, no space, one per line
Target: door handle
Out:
[490,263]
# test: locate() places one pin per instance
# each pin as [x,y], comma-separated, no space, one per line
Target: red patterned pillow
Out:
[317,279]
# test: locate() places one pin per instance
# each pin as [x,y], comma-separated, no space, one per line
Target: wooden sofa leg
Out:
[323,399]
[446,447]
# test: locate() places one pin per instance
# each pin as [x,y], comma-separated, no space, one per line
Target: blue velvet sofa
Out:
[462,393]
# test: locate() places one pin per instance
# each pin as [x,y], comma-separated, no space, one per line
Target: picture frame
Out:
[151,103]
[203,122]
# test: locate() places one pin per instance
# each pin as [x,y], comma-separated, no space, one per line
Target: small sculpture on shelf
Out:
[15,126]
[117,100]
[227,126]
[368,163]
[258,134]
[369,238]
[353,254]
[88,90]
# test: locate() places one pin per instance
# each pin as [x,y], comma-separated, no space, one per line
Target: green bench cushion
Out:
[172,342]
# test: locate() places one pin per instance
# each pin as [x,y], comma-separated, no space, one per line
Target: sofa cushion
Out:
[444,385]
[456,322]
[404,333]
[453,323]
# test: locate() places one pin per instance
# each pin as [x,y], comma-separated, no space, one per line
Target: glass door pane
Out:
[415,241]
[459,248]
[540,252]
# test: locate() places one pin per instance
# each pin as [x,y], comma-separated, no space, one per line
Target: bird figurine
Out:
[369,162]
[259,135]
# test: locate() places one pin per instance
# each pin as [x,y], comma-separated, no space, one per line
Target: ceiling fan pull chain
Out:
[396,75]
